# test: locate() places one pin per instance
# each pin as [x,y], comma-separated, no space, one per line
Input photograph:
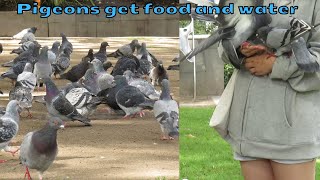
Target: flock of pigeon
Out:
[126,90]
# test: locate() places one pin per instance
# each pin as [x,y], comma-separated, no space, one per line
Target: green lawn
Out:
[203,154]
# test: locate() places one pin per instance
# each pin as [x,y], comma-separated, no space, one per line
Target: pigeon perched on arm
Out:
[158,74]
[53,53]
[23,95]
[77,71]
[65,44]
[9,126]
[29,36]
[27,78]
[125,50]
[166,112]
[42,68]
[102,53]
[234,29]
[144,86]
[62,63]
[59,106]
[124,63]
[132,101]
[39,149]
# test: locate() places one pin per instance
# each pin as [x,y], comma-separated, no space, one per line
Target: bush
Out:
[228,70]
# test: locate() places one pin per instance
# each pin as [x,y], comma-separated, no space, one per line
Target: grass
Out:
[203,153]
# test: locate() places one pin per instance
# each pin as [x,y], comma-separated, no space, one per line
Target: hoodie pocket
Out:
[265,117]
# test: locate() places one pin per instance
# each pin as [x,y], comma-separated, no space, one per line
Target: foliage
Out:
[200,27]
[228,70]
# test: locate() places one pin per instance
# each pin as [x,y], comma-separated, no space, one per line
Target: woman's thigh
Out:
[257,169]
[305,171]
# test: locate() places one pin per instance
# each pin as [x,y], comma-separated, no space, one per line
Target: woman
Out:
[274,120]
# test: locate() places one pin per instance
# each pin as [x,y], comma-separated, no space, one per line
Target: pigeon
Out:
[166,112]
[77,71]
[142,51]
[65,45]
[14,71]
[67,88]
[145,63]
[27,79]
[39,149]
[144,86]
[29,36]
[23,95]
[107,65]
[109,95]
[132,101]
[234,29]
[62,63]
[29,55]
[24,47]
[1,48]
[102,53]
[126,50]
[53,52]
[90,82]
[9,126]
[42,68]
[124,63]
[59,106]
[22,33]
[158,74]
[104,80]
[84,101]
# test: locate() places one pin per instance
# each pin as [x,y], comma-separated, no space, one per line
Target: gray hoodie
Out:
[278,116]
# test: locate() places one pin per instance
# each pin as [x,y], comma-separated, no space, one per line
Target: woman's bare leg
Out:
[257,169]
[305,171]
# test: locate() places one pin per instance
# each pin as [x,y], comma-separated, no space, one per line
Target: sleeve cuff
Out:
[283,68]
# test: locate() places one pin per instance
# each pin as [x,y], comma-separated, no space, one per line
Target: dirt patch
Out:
[112,148]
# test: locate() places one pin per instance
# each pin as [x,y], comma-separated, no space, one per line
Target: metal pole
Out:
[194,65]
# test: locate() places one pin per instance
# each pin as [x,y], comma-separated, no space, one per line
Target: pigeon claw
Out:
[27,174]
[14,152]
[3,161]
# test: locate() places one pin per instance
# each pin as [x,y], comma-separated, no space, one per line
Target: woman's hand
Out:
[260,65]
[249,50]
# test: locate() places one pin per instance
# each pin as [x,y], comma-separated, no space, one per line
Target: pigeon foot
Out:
[13,152]
[3,161]
[27,174]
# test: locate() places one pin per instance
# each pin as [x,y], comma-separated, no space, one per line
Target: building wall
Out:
[91,25]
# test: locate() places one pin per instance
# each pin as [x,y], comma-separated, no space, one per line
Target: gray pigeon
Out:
[126,50]
[142,51]
[102,53]
[107,65]
[29,55]
[53,52]
[29,36]
[27,78]
[59,106]
[104,80]
[144,86]
[145,61]
[21,33]
[23,95]
[234,29]
[42,68]
[132,101]
[39,149]
[9,126]
[24,47]
[90,82]
[77,71]
[124,63]
[166,112]
[158,74]
[62,63]
[65,45]
[84,101]
[67,88]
